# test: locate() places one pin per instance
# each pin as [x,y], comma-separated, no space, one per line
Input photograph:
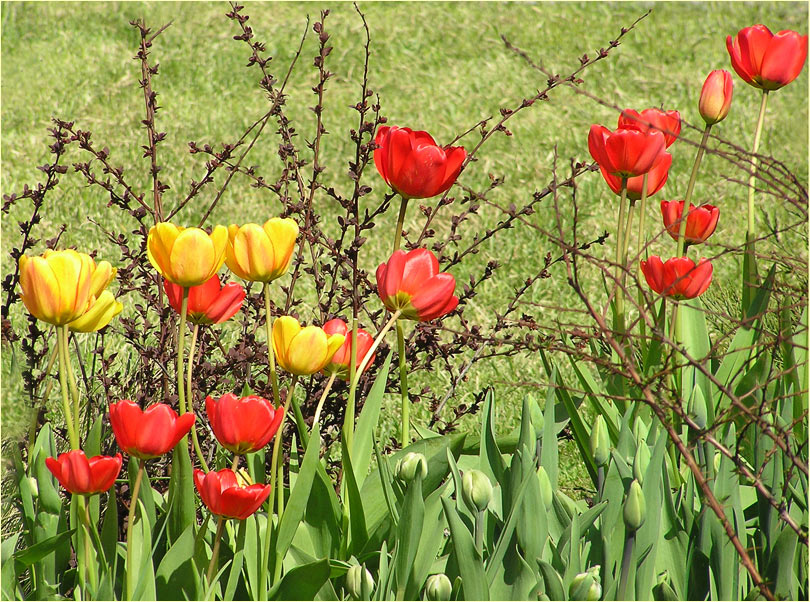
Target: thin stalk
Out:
[74,390]
[619,319]
[403,387]
[32,430]
[133,504]
[300,423]
[271,354]
[181,345]
[600,481]
[328,388]
[689,189]
[348,415]
[90,566]
[72,436]
[403,206]
[626,557]
[752,224]
[375,344]
[235,463]
[627,226]
[642,244]
[209,576]
[190,396]
[479,533]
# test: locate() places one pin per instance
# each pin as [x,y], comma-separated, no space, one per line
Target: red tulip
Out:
[413,164]
[679,277]
[243,425]
[700,221]
[656,178]
[208,303]
[411,282]
[147,433]
[765,60]
[82,475]
[343,356]
[223,496]
[628,151]
[666,122]
[715,96]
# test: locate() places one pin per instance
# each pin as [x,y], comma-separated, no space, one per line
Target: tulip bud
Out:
[586,586]
[545,487]
[476,490]
[635,508]
[715,97]
[411,466]
[438,587]
[663,590]
[698,411]
[600,443]
[359,582]
[34,486]
[640,461]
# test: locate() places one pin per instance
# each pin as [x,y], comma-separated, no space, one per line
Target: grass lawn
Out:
[436,66]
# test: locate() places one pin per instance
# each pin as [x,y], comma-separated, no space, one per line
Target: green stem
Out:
[403,206]
[619,318]
[89,566]
[271,354]
[479,533]
[626,249]
[181,345]
[209,576]
[348,415]
[190,396]
[133,504]
[63,368]
[689,189]
[626,558]
[328,388]
[752,224]
[403,387]
[235,463]
[74,390]
[642,245]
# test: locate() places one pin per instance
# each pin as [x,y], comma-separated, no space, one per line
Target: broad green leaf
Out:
[176,572]
[649,535]
[8,573]
[549,451]
[28,556]
[302,582]
[473,578]
[47,486]
[109,528]
[553,582]
[235,573]
[409,531]
[367,423]
[182,511]
[429,545]
[354,502]
[492,463]
[142,555]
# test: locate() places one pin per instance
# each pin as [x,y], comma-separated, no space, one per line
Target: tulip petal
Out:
[192,257]
[285,330]
[159,246]
[784,58]
[420,265]
[282,233]
[307,351]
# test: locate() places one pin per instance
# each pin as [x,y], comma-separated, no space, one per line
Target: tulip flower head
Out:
[225,497]
[666,122]
[303,350]
[261,253]
[208,303]
[715,96]
[656,178]
[243,425]
[147,433]
[186,256]
[626,152]
[342,359]
[679,277]
[765,60]
[81,475]
[99,313]
[413,165]
[412,284]
[700,221]
[59,286]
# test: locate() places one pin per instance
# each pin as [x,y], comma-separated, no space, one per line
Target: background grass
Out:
[436,66]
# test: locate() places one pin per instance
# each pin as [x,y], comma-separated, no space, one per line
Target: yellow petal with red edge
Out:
[192,257]
[219,238]
[230,258]
[259,250]
[98,315]
[159,245]
[285,329]
[67,267]
[282,233]
[307,352]
[40,288]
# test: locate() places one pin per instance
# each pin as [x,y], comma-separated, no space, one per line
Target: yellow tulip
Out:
[101,310]
[261,253]
[303,351]
[186,256]
[58,286]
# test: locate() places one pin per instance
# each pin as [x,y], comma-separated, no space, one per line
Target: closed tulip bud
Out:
[261,253]
[476,490]
[186,256]
[600,442]
[99,313]
[303,351]
[640,461]
[663,590]
[586,586]
[715,97]
[698,412]
[438,587]
[359,582]
[546,493]
[635,508]
[412,466]
[34,486]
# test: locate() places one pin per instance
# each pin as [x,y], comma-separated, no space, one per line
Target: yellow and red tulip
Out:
[261,253]
[186,256]
[303,350]
[101,310]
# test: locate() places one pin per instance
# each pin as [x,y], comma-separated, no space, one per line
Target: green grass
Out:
[436,66]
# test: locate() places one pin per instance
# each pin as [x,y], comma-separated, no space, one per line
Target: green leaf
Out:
[367,423]
[473,578]
[141,542]
[549,451]
[553,582]
[109,528]
[38,551]
[182,511]
[780,572]
[235,573]
[357,517]
[176,572]
[302,582]
[492,463]
[8,573]
[429,544]
[47,486]
[408,534]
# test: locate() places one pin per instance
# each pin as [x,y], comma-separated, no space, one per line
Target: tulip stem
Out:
[89,529]
[271,355]
[403,386]
[627,227]
[133,504]
[181,345]
[348,415]
[689,189]
[618,322]
[752,224]
[479,533]
[642,245]
[235,463]
[72,436]
[215,554]
[328,388]
[74,390]
[300,423]
[627,555]
[403,206]
[190,396]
